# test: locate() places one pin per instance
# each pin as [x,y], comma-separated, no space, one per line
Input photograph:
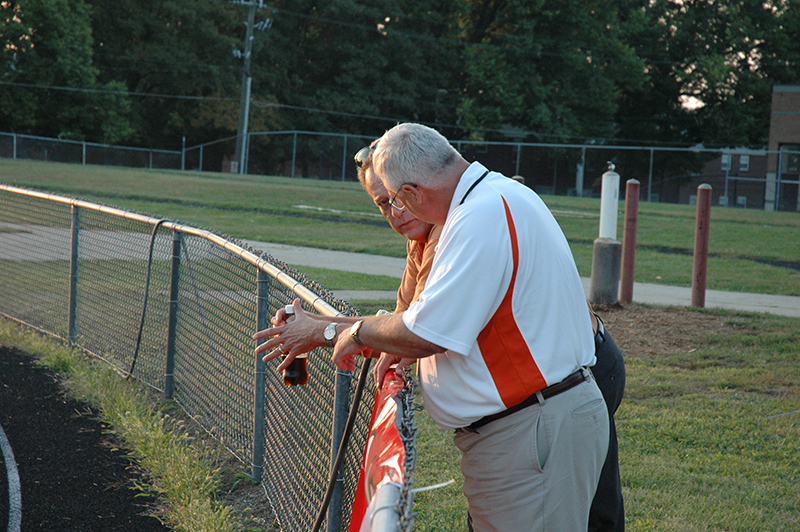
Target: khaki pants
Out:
[537,469]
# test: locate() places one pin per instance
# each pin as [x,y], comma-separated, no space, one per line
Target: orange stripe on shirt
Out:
[503,347]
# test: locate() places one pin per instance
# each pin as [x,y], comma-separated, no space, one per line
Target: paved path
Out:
[653,294]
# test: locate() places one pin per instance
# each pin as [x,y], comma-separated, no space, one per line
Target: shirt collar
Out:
[470,175]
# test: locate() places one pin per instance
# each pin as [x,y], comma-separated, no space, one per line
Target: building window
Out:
[726,162]
[790,161]
[744,163]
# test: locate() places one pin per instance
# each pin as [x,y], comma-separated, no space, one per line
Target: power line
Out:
[116,92]
[266,105]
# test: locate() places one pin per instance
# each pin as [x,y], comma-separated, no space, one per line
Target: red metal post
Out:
[629,239]
[700,267]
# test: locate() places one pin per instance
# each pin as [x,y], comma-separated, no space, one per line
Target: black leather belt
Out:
[569,382]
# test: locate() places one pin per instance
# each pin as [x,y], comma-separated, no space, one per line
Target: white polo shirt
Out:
[504,298]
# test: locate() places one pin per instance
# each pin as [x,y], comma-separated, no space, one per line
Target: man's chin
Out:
[415,231]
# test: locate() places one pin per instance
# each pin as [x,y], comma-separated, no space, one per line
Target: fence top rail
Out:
[87,143]
[317,302]
[211,143]
[693,149]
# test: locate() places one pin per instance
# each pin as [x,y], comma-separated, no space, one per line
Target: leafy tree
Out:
[710,70]
[51,86]
[152,72]
[370,63]
[176,59]
[552,68]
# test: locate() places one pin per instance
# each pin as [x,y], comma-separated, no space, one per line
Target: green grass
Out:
[709,439]
[746,246]
[337,280]
[712,447]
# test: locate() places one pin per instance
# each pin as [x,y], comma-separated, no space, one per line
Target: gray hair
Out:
[413,153]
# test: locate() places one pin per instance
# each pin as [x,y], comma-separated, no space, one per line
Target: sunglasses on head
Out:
[362,155]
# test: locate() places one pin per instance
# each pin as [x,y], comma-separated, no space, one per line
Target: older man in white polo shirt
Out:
[502,334]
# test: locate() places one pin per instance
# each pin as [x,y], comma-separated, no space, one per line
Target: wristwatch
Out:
[354,332]
[330,334]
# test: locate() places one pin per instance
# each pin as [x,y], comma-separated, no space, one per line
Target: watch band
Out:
[354,332]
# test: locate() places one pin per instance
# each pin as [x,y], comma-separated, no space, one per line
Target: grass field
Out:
[710,426]
[750,250]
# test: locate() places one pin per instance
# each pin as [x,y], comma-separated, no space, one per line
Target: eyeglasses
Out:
[362,156]
[396,203]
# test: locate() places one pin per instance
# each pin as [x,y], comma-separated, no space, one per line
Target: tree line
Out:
[646,72]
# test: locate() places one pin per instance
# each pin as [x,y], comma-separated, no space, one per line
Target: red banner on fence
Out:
[384,453]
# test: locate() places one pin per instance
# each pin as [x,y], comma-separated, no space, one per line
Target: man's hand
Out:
[345,351]
[282,317]
[289,338]
[384,365]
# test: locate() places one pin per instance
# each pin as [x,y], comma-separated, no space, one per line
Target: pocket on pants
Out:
[542,447]
[589,408]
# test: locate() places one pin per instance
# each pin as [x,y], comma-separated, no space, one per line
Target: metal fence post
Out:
[294,152]
[344,157]
[340,409]
[778,182]
[650,178]
[172,324]
[246,154]
[262,322]
[73,275]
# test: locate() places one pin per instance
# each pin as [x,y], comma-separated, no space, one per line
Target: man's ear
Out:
[415,191]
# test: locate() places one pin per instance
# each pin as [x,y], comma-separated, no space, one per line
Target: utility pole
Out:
[244,102]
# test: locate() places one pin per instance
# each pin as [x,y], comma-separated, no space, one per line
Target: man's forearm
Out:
[389,334]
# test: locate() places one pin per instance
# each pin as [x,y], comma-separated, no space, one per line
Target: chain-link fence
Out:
[742,178]
[176,307]
[16,146]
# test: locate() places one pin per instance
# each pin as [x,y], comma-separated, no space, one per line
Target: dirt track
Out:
[72,476]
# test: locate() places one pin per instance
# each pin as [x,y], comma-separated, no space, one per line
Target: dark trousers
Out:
[607,513]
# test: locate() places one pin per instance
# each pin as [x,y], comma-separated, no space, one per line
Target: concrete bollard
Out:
[606,256]
[629,240]
[700,263]
[607,251]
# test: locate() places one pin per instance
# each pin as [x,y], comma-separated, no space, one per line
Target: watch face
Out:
[330,331]
[354,332]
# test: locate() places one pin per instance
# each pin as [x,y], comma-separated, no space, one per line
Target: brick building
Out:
[783,165]
[766,179]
